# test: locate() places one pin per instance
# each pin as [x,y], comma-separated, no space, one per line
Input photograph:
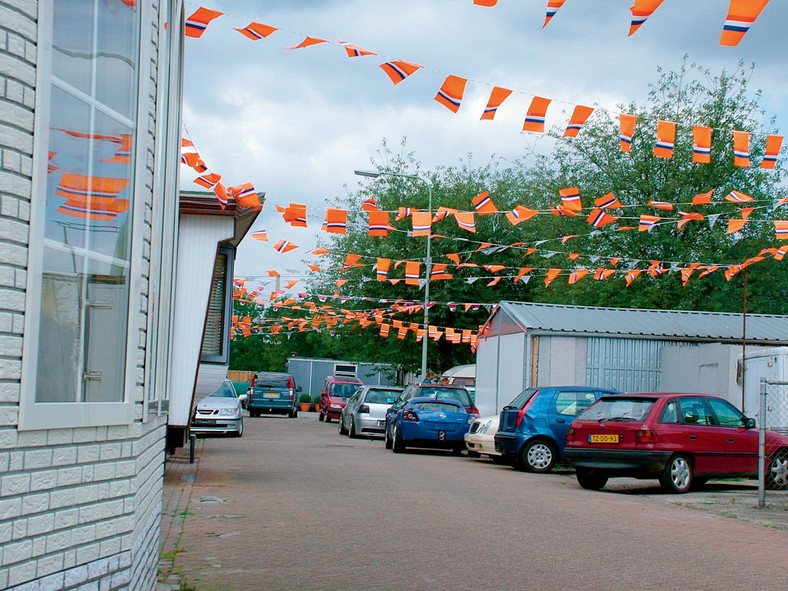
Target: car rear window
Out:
[343,390]
[459,394]
[438,406]
[522,398]
[272,381]
[381,396]
[618,409]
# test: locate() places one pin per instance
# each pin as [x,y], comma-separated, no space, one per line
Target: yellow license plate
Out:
[602,438]
[271,395]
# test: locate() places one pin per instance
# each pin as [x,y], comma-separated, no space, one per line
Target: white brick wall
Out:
[79,508]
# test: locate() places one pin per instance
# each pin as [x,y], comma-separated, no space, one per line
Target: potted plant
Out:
[316,402]
[304,402]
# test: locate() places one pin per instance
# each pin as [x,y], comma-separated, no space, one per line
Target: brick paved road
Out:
[293,505]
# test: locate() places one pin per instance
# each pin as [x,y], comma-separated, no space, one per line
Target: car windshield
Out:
[617,409]
[381,396]
[343,390]
[225,391]
[438,406]
[459,394]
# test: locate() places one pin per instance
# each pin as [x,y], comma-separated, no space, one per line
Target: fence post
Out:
[762,446]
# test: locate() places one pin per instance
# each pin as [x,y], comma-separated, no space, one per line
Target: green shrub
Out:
[304,398]
[316,400]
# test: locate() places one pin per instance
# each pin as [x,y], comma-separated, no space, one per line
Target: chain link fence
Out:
[773,457]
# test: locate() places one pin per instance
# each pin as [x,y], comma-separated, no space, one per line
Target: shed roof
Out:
[765,329]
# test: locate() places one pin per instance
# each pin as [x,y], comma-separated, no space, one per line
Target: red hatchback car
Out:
[681,439]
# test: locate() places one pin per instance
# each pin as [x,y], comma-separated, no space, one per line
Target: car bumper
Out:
[284,408]
[629,462]
[366,425]
[508,445]
[483,444]
[418,437]
[199,427]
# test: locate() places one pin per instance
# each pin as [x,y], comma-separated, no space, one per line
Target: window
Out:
[82,206]
[215,338]
[572,403]
[727,414]
[693,411]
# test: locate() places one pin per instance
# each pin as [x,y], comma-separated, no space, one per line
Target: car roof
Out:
[344,379]
[664,394]
[431,399]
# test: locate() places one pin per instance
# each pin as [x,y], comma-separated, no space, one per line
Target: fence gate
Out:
[772,460]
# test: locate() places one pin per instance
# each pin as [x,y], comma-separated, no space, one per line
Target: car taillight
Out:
[291,393]
[363,409]
[474,411]
[409,415]
[570,435]
[524,409]
[645,436]
[251,386]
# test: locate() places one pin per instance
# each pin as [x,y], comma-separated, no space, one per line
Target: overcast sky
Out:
[296,123]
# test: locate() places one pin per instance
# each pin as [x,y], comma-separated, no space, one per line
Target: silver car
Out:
[219,412]
[365,411]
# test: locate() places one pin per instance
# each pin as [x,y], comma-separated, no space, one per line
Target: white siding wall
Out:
[501,367]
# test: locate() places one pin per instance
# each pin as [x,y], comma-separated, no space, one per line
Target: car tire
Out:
[342,430]
[457,450]
[474,454]
[293,413]
[328,418]
[396,444]
[352,431]
[253,413]
[677,476]
[538,456]
[777,471]
[590,480]
[320,416]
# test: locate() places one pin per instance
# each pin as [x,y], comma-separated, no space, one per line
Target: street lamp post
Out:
[373,174]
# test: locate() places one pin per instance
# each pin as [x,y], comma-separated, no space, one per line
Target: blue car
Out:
[430,422]
[532,429]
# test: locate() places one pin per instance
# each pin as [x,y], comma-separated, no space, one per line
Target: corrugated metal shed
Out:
[718,327]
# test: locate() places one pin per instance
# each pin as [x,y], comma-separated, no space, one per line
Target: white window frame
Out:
[51,415]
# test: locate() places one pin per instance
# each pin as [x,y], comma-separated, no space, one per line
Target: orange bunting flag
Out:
[495,281]
[741,15]
[261,235]
[466,221]
[382,269]
[535,117]
[701,144]
[313,268]
[291,283]
[631,275]
[522,273]
[487,3]
[497,96]
[647,223]
[123,154]
[443,213]
[626,131]
[245,195]
[553,7]
[551,275]
[450,94]
[687,217]
[483,204]
[199,20]
[351,261]
[781,230]
[702,198]
[577,275]
[609,201]
[438,272]
[320,250]
[295,215]
[378,223]
[519,214]
[340,283]
[369,205]
[404,212]
[221,194]
[738,197]
[398,70]
[741,149]
[257,31]
[412,271]
[335,221]
[735,225]
[666,139]
[601,273]
[599,217]
[209,180]
[773,145]
[422,223]
[384,330]
[570,199]
[355,50]
[686,274]
[307,42]
[664,205]
[91,197]
[284,246]
[454,257]
[273,273]
[577,120]
[641,10]
[655,269]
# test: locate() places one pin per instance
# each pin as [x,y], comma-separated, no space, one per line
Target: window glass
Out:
[693,411]
[572,403]
[670,414]
[618,409]
[727,414]
[213,338]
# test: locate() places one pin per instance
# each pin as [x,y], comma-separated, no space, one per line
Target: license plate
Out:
[271,395]
[602,438]
[203,422]
[381,423]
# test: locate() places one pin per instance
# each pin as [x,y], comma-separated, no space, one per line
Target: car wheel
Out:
[499,459]
[474,454]
[293,413]
[240,430]
[396,444]
[352,432]
[777,473]
[590,480]
[342,430]
[699,483]
[538,456]
[677,475]
[388,440]
[320,416]
[328,418]
[458,450]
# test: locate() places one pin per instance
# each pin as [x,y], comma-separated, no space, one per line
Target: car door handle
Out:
[693,437]
[730,439]
[560,420]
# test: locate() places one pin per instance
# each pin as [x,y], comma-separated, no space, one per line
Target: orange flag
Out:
[199,20]
[256,31]
[295,215]
[570,199]
[666,139]
[609,201]
[551,275]
[351,261]
[450,94]
[702,198]
[701,144]
[335,221]
[519,214]
[354,50]
[577,120]
[535,117]
[412,271]
[483,204]
[738,197]
[284,246]
[497,96]
[641,10]
[91,197]
[307,42]
[599,217]
[741,15]
[382,269]
[487,3]
[626,131]
[422,223]
[773,145]
[261,235]
[466,220]
[378,223]
[245,195]
[781,230]
[398,70]
[741,149]
[552,7]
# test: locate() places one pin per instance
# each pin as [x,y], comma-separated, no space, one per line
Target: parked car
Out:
[273,392]
[480,440]
[365,411]
[462,375]
[432,391]
[532,427]
[219,413]
[334,395]
[429,422]
[680,439]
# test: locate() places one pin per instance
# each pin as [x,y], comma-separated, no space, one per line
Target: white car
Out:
[480,440]
[219,413]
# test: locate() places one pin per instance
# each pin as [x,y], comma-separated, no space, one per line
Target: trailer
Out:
[311,373]
[772,365]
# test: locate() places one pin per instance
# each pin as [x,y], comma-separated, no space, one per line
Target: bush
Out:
[304,398]
[316,400]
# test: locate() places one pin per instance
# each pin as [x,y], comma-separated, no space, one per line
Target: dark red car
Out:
[681,439]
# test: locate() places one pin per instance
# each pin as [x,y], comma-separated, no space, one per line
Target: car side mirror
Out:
[749,423]
[298,388]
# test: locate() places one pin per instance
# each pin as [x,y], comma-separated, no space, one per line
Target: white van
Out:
[462,375]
